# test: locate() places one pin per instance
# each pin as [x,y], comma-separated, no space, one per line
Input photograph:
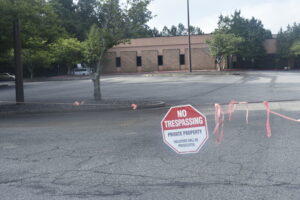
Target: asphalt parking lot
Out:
[192,89]
[121,154]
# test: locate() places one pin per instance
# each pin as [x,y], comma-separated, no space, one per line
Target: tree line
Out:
[179,30]
[245,38]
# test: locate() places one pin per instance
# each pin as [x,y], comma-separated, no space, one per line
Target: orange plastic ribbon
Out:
[232,107]
[134,106]
[220,118]
[268,124]
[77,103]
[219,122]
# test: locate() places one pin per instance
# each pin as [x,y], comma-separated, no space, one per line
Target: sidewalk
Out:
[194,73]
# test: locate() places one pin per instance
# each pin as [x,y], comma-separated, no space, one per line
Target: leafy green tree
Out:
[86,15]
[94,47]
[10,11]
[6,60]
[196,31]
[165,31]
[222,45]
[251,30]
[180,30]
[67,51]
[36,55]
[137,15]
[295,49]
[98,42]
[110,31]
[66,12]
[155,33]
[78,16]
[173,31]
[38,20]
[286,41]
[34,59]
[5,32]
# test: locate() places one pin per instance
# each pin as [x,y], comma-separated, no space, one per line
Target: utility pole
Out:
[189,32]
[18,62]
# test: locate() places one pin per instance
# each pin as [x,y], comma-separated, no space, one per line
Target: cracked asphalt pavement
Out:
[121,155]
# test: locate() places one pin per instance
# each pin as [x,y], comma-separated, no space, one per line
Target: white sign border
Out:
[202,144]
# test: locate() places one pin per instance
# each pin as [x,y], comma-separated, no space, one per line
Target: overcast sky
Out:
[204,13]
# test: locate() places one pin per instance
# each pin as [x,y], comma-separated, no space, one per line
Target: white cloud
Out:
[167,12]
[273,13]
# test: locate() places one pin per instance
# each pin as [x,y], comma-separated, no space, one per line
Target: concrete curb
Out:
[4,86]
[212,73]
[56,79]
[53,108]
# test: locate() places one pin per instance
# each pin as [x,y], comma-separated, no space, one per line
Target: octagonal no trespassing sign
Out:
[184,129]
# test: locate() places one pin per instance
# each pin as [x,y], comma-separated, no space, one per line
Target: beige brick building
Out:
[164,54]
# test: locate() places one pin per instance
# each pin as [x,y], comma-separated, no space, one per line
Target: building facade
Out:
[164,54]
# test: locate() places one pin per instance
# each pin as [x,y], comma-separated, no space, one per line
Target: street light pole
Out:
[189,32]
[18,62]
[19,88]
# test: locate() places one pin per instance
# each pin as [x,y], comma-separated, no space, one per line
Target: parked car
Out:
[7,77]
[82,72]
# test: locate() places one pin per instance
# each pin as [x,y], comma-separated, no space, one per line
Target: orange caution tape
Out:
[77,103]
[268,124]
[231,109]
[220,118]
[219,122]
[134,106]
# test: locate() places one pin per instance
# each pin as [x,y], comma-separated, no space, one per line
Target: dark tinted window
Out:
[118,61]
[160,60]
[138,61]
[182,59]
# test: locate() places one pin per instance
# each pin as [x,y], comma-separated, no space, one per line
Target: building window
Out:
[160,60]
[182,59]
[118,62]
[139,61]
